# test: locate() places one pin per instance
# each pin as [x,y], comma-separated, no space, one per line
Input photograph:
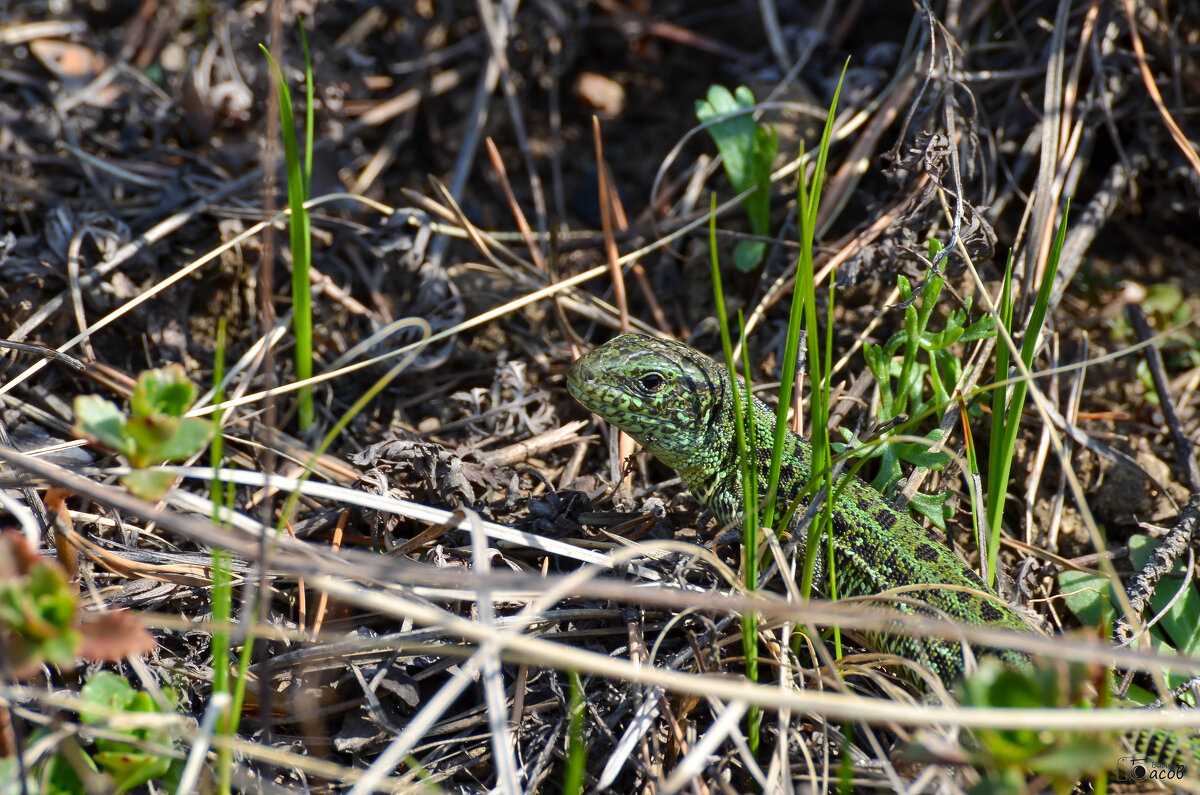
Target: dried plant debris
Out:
[427,472]
[470,506]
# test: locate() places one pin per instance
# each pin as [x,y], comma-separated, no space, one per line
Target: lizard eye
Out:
[651,382]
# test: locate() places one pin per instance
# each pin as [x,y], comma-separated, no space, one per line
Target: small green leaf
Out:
[61,649]
[148,484]
[100,421]
[734,137]
[105,689]
[932,507]
[166,390]
[133,767]
[190,437]
[920,455]
[747,254]
[1086,595]
[941,340]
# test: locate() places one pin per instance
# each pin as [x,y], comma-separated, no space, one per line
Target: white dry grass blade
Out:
[412,510]
[700,755]
[489,654]
[24,517]
[199,751]
[641,722]
[833,706]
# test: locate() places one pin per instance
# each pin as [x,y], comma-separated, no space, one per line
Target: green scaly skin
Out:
[677,403]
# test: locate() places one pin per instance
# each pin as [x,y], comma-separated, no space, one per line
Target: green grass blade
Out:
[749,483]
[750,542]
[576,749]
[805,292]
[308,112]
[301,242]
[997,472]
[808,220]
[1012,418]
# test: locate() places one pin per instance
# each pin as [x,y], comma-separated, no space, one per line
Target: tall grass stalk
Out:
[222,580]
[750,543]
[576,764]
[804,305]
[1006,423]
[743,415]
[300,224]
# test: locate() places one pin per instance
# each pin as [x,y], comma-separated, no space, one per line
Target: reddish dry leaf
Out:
[56,501]
[68,61]
[76,66]
[114,636]
[16,558]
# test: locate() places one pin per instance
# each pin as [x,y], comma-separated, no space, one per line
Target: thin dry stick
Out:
[1162,560]
[535,253]
[1185,146]
[625,446]
[606,225]
[621,223]
[338,530]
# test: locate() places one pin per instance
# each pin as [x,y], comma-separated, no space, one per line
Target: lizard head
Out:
[663,394]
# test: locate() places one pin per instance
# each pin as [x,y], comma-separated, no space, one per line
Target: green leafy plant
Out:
[155,430]
[917,370]
[747,149]
[38,609]
[1013,759]
[300,225]
[40,620]
[129,765]
[110,764]
[1091,599]
[41,623]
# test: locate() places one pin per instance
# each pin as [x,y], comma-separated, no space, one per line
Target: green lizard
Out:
[677,403]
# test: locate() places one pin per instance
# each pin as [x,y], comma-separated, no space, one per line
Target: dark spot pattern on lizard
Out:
[883,516]
[787,474]
[926,553]
[990,612]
